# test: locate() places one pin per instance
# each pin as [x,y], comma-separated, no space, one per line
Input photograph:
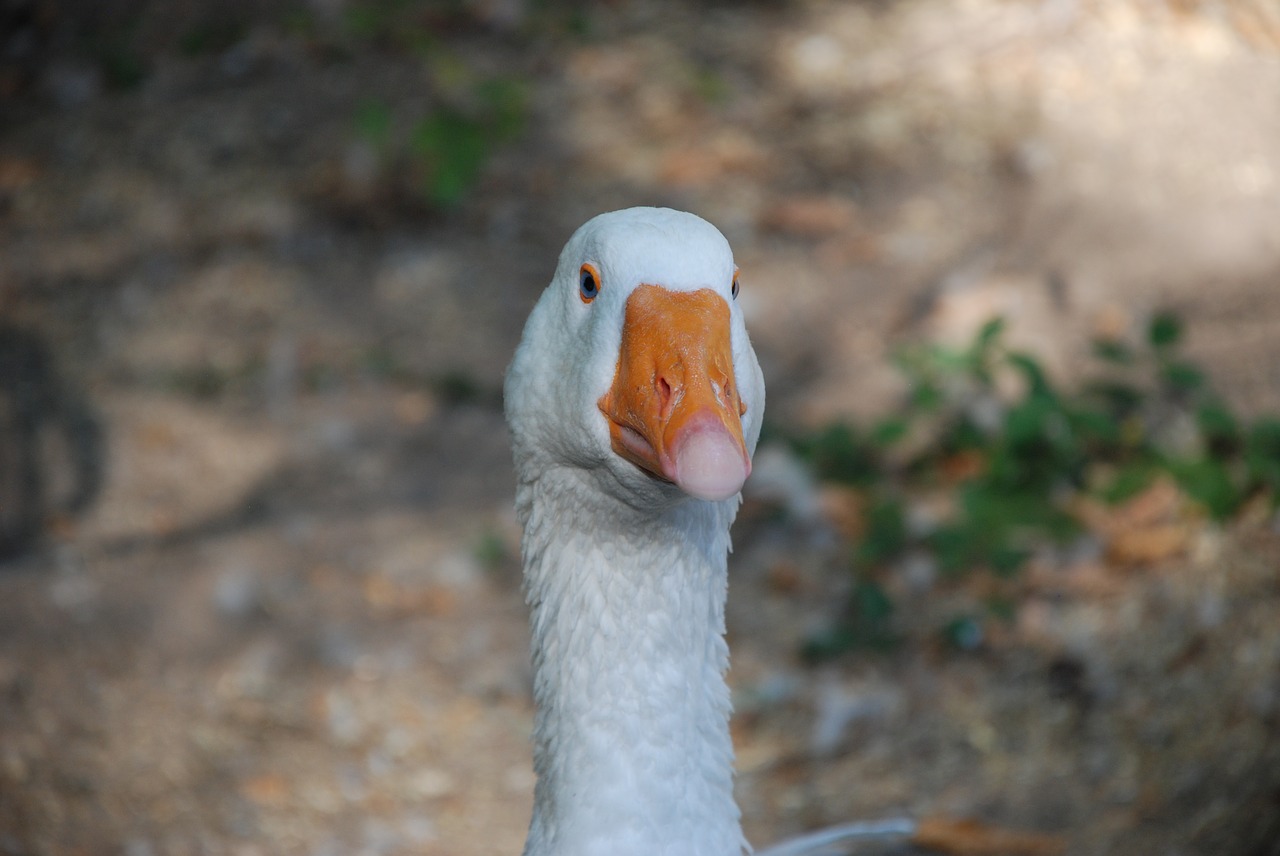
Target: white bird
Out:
[634,402]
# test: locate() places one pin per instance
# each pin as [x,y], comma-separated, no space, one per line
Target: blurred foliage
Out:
[213,34]
[440,155]
[443,153]
[115,49]
[432,155]
[490,550]
[1008,451]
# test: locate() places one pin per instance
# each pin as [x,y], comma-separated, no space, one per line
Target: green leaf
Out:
[1182,377]
[122,65]
[886,535]
[1129,481]
[1262,455]
[964,633]
[1100,430]
[827,644]
[1219,427]
[456,387]
[505,104]
[1003,608]
[1113,351]
[957,548]
[373,123]
[1036,421]
[1208,482]
[961,434]
[364,21]
[1264,437]
[868,625]
[1120,399]
[989,334]
[838,454]
[454,148]
[1037,382]
[1165,330]
[889,431]
[872,604]
[212,35]
[490,550]
[981,352]
[711,87]
[926,396]
[1007,560]
[998,514]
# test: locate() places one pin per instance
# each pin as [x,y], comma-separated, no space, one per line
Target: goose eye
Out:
[734,290]
[588,283]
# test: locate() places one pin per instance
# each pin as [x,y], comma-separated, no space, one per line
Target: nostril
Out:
[664,394]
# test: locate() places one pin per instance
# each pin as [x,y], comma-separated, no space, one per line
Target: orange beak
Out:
[674,408]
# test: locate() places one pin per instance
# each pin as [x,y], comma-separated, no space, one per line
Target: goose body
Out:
[634,402]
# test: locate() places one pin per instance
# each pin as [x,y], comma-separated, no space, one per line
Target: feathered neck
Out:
[631,736]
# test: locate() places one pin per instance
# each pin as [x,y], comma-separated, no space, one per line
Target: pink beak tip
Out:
[710,464]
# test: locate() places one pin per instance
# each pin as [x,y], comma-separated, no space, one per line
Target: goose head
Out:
[635,366]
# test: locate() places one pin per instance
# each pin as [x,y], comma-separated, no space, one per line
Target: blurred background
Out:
[1010,550]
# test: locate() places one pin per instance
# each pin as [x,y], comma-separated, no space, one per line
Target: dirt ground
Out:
[291,620]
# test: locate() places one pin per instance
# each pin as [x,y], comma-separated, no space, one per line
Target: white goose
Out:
[635,403]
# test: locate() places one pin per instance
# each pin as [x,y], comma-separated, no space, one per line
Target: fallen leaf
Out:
[785,577]
[705,162]
[848,249]
[845,508]
[811,216]
[266,789]
[963,465]
[970,838]
[414,409]
[389,596]
[17,173]
[1148,545]
[1112,323]
[1084,579]
[1159,503]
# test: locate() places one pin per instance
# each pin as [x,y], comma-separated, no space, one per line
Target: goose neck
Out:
[631,738]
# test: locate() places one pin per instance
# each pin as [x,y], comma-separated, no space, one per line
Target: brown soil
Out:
[291,621]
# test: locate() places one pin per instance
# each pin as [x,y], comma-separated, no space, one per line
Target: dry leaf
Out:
[389,596]
[1148,545]
[17,173]
[414,409]
[845,508]
[970,838]
[964,465]
[1148,528]
[811,216]
[266,789]
[1084,579]
[688,167]
[785,577]
[848,249]
[1159,503]
[1112,323]
[705,162]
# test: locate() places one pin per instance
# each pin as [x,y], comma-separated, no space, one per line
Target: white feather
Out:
[625,576]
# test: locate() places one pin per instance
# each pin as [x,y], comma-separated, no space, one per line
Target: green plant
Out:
[1009,464]
[868,624]
[114,47]
[444,152]
[212,34]
[490,550]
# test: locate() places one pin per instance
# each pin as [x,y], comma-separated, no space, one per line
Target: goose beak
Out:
[674,408]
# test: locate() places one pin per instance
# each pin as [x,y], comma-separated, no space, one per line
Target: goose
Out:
[634,402]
